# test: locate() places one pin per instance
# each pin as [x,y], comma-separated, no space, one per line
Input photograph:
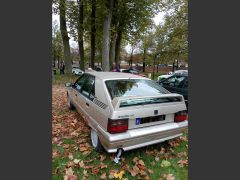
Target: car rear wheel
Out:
[69,104]
[95,141]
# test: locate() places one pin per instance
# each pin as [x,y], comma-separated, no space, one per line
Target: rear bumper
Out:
[136,138]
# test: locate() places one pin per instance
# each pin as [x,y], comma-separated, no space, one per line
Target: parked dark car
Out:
[178,83]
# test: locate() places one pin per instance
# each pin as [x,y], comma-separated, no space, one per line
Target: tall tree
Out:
[106,36]
[65,38]
[93,32]
[80,35]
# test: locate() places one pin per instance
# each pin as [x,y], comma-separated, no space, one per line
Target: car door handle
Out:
[87,104]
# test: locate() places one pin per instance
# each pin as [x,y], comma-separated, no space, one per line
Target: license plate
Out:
[150,119]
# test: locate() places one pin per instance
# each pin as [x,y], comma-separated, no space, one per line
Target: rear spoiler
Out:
[116,102]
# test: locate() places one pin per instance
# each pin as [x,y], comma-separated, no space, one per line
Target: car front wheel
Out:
[95,141]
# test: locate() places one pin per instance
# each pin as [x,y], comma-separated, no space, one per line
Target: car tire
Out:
[97,145]
[69,104]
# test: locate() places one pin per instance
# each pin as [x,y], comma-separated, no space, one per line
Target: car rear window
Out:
[133,87]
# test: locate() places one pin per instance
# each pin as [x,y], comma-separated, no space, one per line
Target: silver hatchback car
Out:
[126,111]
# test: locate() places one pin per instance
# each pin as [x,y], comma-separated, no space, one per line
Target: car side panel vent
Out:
[99,103]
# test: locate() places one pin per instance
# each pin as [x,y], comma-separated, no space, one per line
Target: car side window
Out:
[175,81]
[88,88]
[79,83]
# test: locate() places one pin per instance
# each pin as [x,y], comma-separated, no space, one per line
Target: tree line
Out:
[102,28]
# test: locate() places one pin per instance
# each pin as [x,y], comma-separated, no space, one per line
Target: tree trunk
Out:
[144,59]
[106,36]
[80,35]
[58,62]
[154,62]
[131,59]
[118,47]
[173,66]
[65,38]
[93,31]
[112,50]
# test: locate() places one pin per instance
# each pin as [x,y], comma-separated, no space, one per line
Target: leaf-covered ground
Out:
[73,157]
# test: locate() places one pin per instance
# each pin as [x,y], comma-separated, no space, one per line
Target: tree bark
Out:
[80,35]
[65,38]
[144,59]
[118,47]
[112,50]
[106,36]
[93,31]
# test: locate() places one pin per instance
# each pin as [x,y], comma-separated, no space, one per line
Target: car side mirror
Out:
[68,84]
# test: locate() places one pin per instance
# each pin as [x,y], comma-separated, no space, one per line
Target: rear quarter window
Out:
[133,87]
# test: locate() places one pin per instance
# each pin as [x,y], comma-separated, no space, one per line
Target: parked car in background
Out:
[132,71]
[169,74]
[125,111]
[77,71]
[177,83]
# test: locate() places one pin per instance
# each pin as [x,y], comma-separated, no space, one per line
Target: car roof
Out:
[114,75]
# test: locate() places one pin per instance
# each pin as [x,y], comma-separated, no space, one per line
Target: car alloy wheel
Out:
[95,141]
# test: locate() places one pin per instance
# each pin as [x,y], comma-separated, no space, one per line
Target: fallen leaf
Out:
[150,171]
[85,172]
[119,175]
[102,157]
[83,149]
[70,177]
[183,163]
[157,159]
[141,162]
[76,161]
[165,163]
[146,178]
[162,151]
[135,159]
[69,171]
[81,164]
[102,165]
[169,176]
[95,170]
[103,176]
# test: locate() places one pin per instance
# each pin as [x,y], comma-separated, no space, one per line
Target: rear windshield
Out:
[134,87]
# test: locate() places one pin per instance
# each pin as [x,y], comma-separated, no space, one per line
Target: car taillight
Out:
[181,116]
[117,125]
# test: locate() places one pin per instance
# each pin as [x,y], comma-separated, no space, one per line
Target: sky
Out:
[159,18]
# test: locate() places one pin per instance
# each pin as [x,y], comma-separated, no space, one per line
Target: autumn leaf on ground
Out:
[162,151]
[173,143]
[103,176]
[95,170]
[69,174]
[150,171]
[135,159]
[76,161]
[141,162]
[184,139]
[85,173]
[102,165]
[111,173]
[83,149]
[169,176]
[183,163]
[102,157]
[119,175]
[182,154]
[157,159]
[165,163]
[81,164]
